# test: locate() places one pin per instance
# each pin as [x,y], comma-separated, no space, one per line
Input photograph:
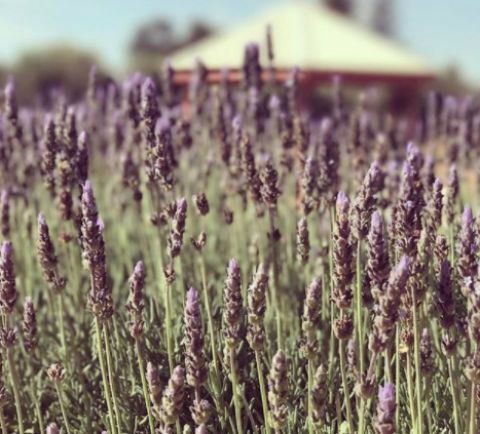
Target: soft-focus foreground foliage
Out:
[237,266]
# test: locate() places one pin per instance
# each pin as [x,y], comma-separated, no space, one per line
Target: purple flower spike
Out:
[377,220]
[404,265]
[6,251]
[237,123]
[251,50]
[386,399]
[148,87]
[412,149]
[162,125]
[100,224]
[41,219]
[274,102]
[87,194]
[192,298]
[467,217]
[10,88]
[374,169]
[325,125]
[82,138]
[233,266]
[343,203]
[452,173]
[407,170]
[139,268]
[182,206]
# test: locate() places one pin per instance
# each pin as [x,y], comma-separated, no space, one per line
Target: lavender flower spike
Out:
[385,423]
[402,268]
[467,217]
[192,298]
[343,203]
[377,220]
[8,289]
[53,429]
[386,399]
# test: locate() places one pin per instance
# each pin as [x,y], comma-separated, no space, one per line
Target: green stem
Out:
[111,377]
[397,376]
[275,286]
[168,325]
[2,422]
[388,363]
[37,410]
[359,305]
[473,407]
[454,395]
[16,389]
[208,308]
[62,407]
[361,416]
[346,392]
[236,401]
[418,382]
[263,392]
[103,369]
[410,392]
[62,328]
[309,398]
[145,387]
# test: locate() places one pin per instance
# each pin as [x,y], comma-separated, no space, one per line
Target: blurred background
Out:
[401,44]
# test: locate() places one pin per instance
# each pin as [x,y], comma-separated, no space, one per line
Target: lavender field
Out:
[223,262]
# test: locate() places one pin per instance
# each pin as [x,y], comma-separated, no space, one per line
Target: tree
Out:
[157,39]
[38,73]
[344,7]
[383,17]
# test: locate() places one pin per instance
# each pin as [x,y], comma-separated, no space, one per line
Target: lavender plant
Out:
[341,298]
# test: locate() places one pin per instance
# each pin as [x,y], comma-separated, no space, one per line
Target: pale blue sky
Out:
[443,31]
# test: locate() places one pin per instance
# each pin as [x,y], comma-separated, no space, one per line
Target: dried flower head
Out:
[56,373]
[195,363]
[47,257]
[155,385]
[256,309]
[93,246]
[278,392]
[366,200]
[378,266]
[8,289]
[269,180]
[311,319]
[29,326]
[136,302]
[201,203]
[385,421]
[303,241]
[172,398]
[319,396]
[342,255]
[388,308]
[232,302]
[53,429]
[467,252]
[5,213]
[175,240]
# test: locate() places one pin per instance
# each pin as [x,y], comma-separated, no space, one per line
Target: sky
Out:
[444,32]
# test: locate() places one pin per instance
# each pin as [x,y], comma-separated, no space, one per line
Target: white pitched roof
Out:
[309,36]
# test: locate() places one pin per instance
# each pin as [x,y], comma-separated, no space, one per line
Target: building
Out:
[318,40]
